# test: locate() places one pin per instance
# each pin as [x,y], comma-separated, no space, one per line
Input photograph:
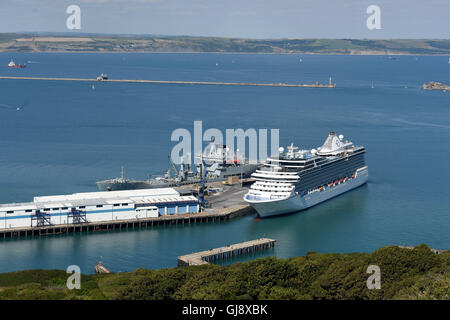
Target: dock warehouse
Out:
[96,206]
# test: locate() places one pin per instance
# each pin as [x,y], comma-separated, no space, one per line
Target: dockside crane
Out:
[201,193]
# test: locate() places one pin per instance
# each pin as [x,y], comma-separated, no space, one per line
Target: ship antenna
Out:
[122,173]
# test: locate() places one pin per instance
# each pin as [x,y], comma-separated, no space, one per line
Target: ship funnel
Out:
[331,144]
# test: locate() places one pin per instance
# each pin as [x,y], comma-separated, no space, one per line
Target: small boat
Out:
[102,77]
[12,64]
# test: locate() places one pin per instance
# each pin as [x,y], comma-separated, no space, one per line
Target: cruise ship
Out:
[299,179]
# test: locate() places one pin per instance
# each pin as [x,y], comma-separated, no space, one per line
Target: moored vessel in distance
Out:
[221,165]
[12,64]
[433,85]
[299,179]
[102,77]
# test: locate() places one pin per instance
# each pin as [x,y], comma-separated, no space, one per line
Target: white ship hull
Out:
[295,203]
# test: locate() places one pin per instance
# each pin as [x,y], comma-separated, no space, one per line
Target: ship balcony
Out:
[276,175]
[264,196]
[264,188]
[275,183]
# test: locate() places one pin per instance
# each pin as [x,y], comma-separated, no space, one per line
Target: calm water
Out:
[67,135]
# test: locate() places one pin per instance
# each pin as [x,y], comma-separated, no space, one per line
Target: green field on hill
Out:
[10,42]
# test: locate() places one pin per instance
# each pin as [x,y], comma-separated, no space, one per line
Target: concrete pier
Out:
[315,85]
[204,257]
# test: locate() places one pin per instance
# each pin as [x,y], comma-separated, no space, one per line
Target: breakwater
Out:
[315,85]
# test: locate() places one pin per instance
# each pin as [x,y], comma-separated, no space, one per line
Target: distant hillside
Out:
[106,43]
[405,274]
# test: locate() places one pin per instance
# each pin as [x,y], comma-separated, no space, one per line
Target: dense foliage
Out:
[405,274]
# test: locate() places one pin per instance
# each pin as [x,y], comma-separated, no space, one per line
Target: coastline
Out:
[420,274]
[87,43]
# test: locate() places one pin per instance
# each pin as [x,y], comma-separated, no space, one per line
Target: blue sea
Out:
[67,135]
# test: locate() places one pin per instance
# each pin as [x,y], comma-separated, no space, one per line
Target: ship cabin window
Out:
[55,209]
[99,206]
[28,211]
[124,204]
[116,204]
[82,207]
[65,208]
[9,211]
[46,209]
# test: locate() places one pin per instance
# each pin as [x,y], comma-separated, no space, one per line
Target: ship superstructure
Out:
[222,164]
[298,179]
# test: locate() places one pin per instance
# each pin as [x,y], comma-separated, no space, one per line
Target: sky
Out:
[260,19]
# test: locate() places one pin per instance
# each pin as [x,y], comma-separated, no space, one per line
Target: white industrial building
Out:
[96,207]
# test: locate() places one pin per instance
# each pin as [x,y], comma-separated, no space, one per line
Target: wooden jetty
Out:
[100,268]
[223,214]
[204,257]
[315,85]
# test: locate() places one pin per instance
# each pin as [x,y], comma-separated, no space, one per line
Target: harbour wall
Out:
[224,214]
[315,85]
